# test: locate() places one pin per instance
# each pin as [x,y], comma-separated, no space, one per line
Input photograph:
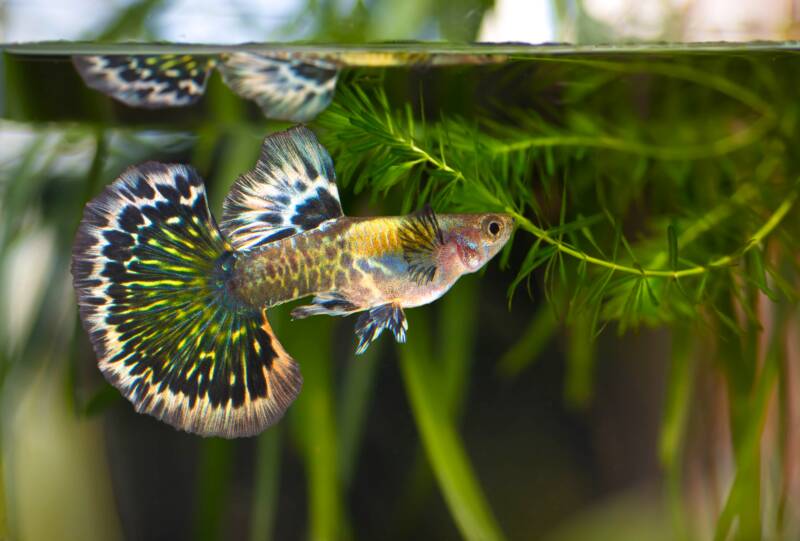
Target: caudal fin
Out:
[149,268]
[148,81]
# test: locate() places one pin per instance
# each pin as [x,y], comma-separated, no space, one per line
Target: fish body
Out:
[176,306]
[356,257]
[360,259]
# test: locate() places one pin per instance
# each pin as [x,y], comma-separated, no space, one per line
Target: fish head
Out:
[471,240]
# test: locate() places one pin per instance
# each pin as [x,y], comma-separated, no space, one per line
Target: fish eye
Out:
[492,227]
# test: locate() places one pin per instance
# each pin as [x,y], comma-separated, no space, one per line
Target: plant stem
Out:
[675,71]
[723,85]
[354,402]
[408,141]
[719,147]
[265,489]
[315,421]
[445,450]
[724,261]
[746,193]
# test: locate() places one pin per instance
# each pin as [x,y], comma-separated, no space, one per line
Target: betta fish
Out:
[176,307]
[293,85]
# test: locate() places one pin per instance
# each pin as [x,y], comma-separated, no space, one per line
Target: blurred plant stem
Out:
[214,475]
[4,531]
[226,145]
[48,500]
[354,399]
[266,488]
[580,359]
[751,384]
[314,421]
[456,323]
[528,347]
[266,485]
[458,317]
[431,405]
[673,425]
[4,488]
[92,186]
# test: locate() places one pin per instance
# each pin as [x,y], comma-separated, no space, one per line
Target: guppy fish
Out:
[287,85]
[176,307]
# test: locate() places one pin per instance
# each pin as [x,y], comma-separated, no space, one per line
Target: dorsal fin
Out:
[286,88]
[420,237]
[291,189]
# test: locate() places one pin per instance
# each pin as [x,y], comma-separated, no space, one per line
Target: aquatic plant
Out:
[651,190]
[709,206]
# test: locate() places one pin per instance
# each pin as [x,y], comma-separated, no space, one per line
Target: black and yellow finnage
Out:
[149,288]
[287,85]
[176,307]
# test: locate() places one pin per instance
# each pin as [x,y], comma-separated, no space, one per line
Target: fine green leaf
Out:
[314,420]
[672,240]
[527,348]
[266,489]
[354,399]
[443,446]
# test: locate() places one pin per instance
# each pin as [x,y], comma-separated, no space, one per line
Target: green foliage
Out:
[575,216]
[316,431]
[646,191]
[620,221]
[266,486]
[433,413]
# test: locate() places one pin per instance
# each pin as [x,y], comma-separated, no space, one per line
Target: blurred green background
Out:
[605,401]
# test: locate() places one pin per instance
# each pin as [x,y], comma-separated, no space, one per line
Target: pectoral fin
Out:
[371,324]
[420,238]
[328,304]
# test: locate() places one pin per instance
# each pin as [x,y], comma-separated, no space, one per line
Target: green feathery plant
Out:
[668,212]
[480,164]
[646,191]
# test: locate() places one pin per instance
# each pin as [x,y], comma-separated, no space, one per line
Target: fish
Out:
[175,305]
[294,86]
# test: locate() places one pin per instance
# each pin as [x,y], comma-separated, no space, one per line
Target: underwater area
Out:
[627,367]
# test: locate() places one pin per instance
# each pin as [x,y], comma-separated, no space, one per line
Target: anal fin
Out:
[371,324]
